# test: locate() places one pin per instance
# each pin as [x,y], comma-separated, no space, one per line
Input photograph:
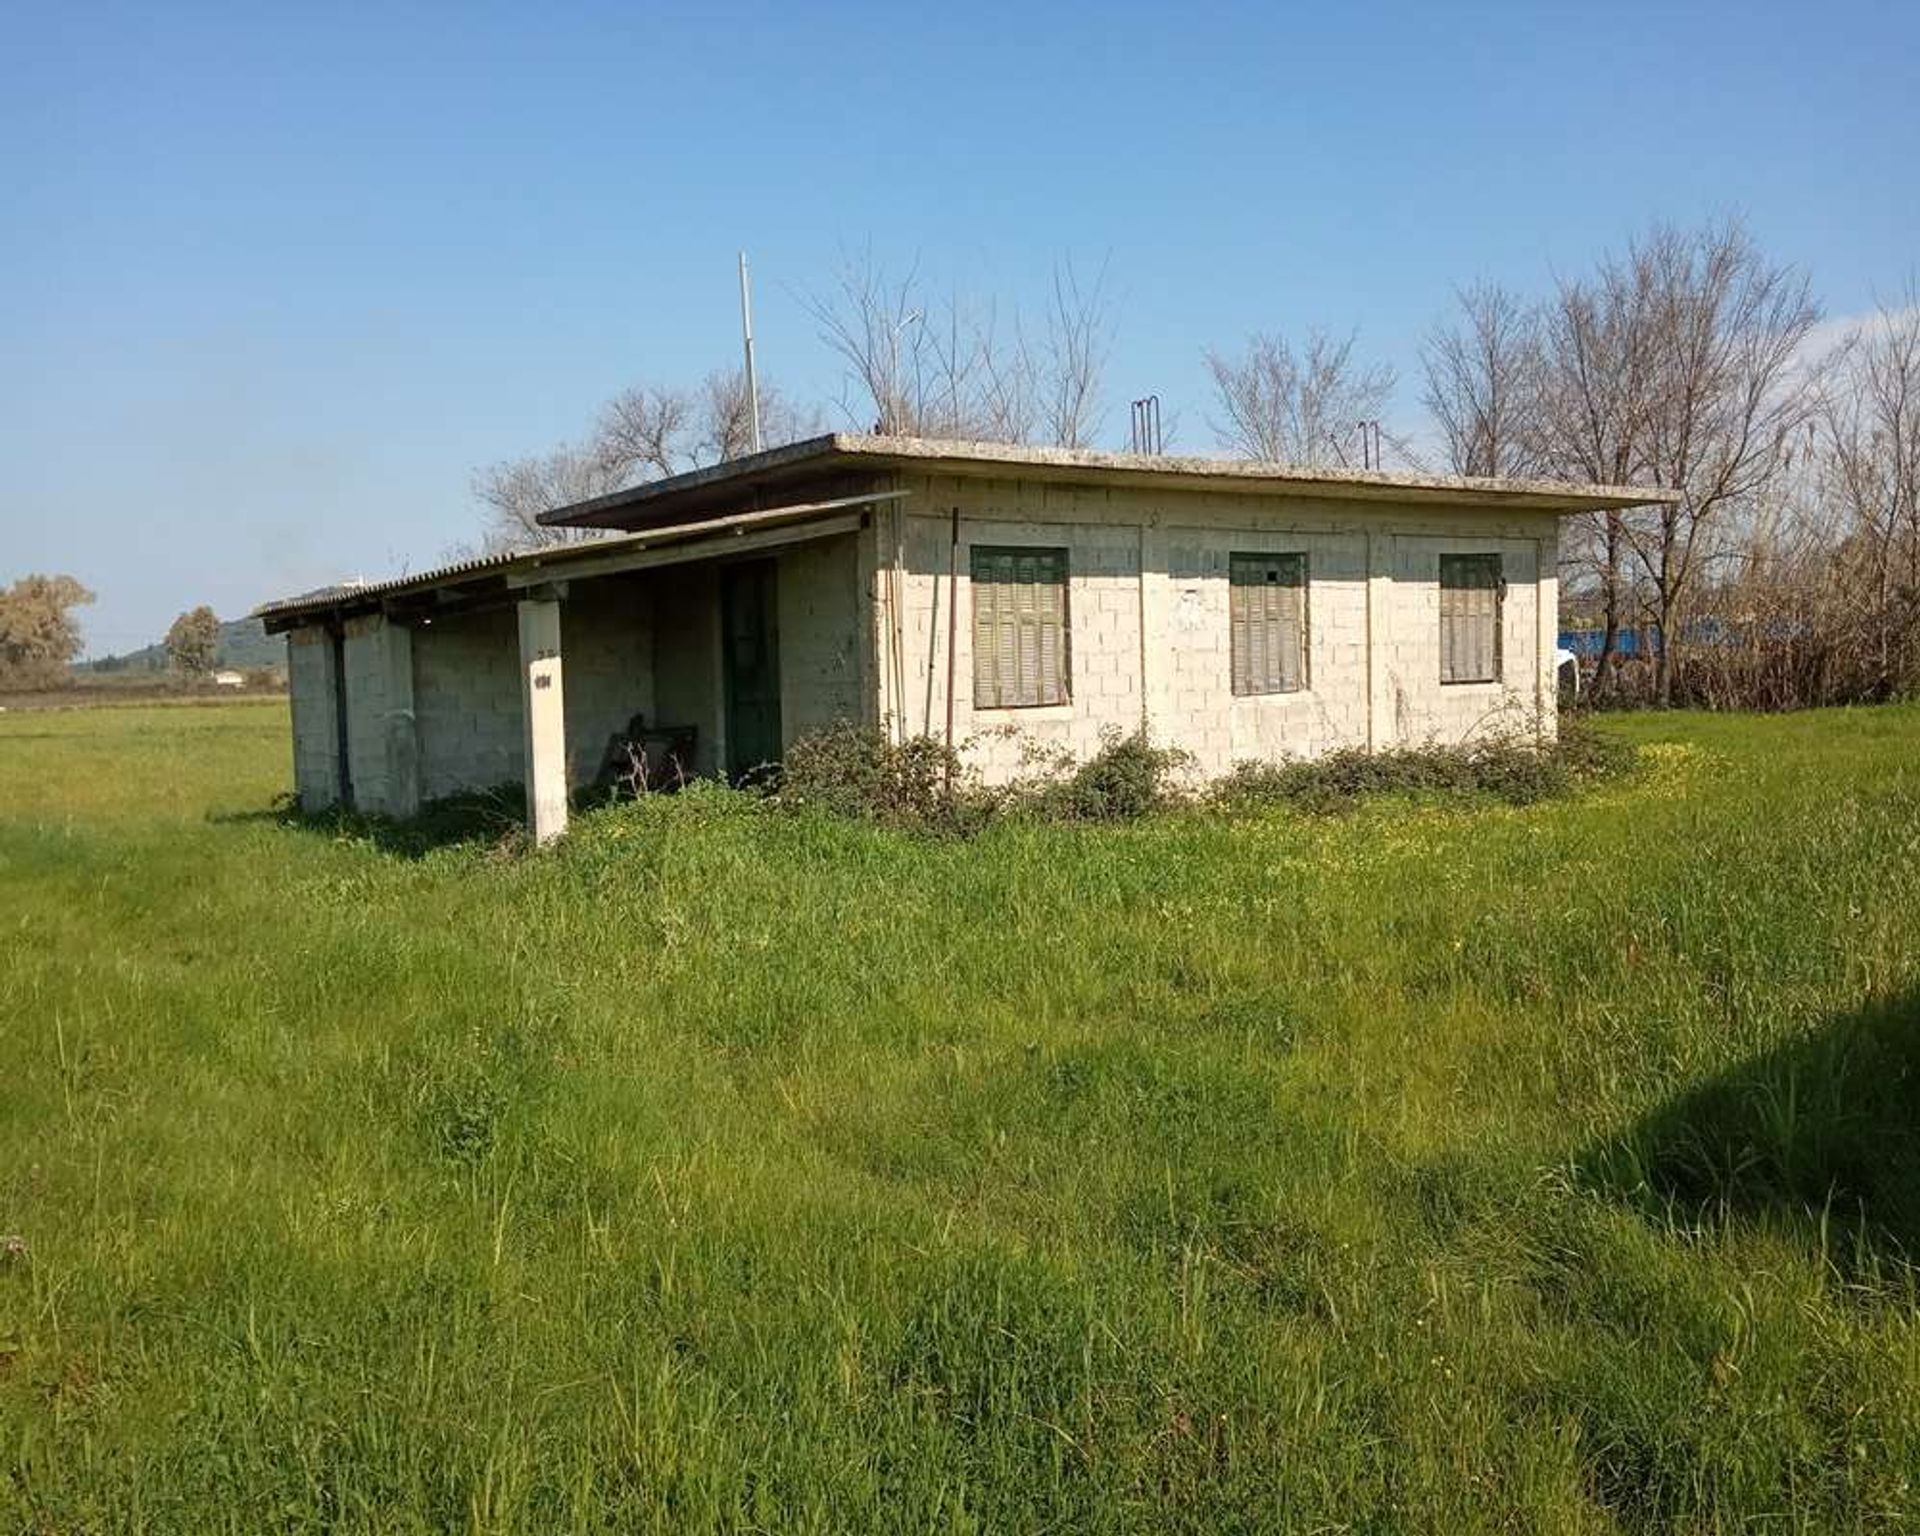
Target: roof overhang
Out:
[825,485]
[777,470]
[495,579]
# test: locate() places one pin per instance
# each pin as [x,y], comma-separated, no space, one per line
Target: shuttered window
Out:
[1020,646]
[1470,591]
[1267,620]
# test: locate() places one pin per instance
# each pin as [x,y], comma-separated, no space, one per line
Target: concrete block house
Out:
[1014,597]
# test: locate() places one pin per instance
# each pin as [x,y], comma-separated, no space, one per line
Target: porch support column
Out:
[544,712]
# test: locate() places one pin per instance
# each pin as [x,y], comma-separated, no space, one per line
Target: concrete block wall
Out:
[1199,711]
[434,708]
[316,742]
[686,660]
[607,649]
[467,690]
[437,708]
[1148,610]
[822,679]
[380,719]
[466,702]
[1103,623]
[373,667]
[1424,709]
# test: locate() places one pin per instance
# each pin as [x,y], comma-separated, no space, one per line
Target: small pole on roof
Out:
[753,379]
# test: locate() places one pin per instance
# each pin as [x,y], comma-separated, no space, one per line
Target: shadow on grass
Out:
[479,818]
[1822,1133]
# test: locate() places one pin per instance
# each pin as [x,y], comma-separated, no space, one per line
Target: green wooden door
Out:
[749,622]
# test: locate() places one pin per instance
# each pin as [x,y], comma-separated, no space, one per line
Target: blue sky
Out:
[275,280]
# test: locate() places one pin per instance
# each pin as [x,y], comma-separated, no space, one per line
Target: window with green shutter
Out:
[1471,588]
[1020,635]
[1267,622]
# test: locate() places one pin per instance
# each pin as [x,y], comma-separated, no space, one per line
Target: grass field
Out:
[1441,1168]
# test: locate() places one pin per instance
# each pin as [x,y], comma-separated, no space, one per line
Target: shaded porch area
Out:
[707,647]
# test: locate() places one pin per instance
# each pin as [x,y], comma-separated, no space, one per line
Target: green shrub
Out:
[1517,772]
[919,785]
[855,771]
[1129,777]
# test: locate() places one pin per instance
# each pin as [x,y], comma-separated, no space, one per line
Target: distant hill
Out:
[243,643]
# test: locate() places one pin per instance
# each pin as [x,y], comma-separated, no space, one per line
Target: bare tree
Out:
[644,433]
[517,491]
[1869,476]
[1079,336]
[1483,383]
[868,322]
[1726,330]
[724,424]
[1007,406]
[1596,363]
[1675,365]
[928,367]
[1286,408]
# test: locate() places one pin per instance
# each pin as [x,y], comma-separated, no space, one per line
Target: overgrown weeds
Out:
[1129,777]
[856,772]
[1513,771]
[919,785]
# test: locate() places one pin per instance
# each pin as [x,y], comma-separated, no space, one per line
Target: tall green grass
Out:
[1430,1167]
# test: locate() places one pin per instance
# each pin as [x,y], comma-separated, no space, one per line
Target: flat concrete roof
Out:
[677,495]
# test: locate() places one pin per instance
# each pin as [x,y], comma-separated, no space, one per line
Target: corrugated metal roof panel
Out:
[554,559]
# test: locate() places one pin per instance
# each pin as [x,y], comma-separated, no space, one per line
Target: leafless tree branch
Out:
[1283,407]
[1483,383]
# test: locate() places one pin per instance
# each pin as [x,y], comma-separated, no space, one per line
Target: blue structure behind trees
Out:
[1636,641]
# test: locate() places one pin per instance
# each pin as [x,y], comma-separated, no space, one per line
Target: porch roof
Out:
[494,578]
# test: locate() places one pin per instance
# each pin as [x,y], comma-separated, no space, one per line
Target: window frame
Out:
[995,699]
[1302,562]
[1498,587]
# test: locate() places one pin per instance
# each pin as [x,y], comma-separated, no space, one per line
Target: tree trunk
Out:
[1663,657]
[1667,596]
[1609,609]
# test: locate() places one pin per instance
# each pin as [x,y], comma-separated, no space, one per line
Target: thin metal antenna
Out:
[1406,452]
[753,378]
